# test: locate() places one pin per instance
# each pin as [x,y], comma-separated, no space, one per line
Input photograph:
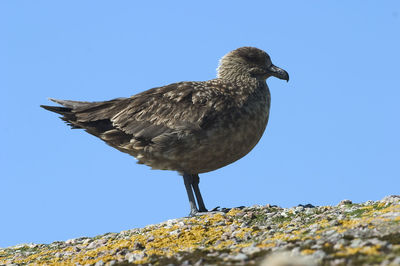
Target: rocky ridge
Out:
[346,234]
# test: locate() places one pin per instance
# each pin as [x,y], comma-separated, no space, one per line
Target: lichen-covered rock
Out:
[346,234]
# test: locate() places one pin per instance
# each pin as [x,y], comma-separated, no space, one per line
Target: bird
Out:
[191,127]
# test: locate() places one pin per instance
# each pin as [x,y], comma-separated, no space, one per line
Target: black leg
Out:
[188,180]
[200,202]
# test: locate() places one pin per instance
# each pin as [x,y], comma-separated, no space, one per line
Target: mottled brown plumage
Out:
[189,127]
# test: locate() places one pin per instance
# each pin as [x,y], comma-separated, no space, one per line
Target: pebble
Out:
[239,256]
[250,250]
[97,243]
[99,263]
[345,202]
[391,199]
[319,254]
[396,261]
[309,211]
[131,257]
[71,241]
[357,243]
[87,241]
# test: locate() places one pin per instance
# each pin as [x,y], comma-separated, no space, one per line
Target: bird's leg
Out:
[199,198]
[188,180]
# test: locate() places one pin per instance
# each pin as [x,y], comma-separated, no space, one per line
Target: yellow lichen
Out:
[233,212]
[243,231]
[373,250]
[266,245]
[307,251]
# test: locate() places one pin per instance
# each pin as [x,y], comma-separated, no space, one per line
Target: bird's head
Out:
[249,61]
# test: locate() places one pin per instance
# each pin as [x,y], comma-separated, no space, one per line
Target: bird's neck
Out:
[238,74]
[234,73]
[245,84]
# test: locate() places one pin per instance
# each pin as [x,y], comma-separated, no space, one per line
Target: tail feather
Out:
[78,115]
[67,115]
[94,117]
[70,104]
[57,109]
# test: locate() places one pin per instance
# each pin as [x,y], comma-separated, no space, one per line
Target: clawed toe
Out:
[215,210]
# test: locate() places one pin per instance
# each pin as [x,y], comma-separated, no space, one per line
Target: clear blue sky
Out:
[334,130]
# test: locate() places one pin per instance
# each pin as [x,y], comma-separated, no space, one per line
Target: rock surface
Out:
[346,234]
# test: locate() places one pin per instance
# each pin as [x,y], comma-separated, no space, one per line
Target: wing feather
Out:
[160,111]
[160,115]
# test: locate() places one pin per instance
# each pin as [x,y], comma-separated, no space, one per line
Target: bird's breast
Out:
[233,133]
[232,137]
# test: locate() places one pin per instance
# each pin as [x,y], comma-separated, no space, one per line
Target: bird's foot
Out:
[201,212]
[308,205]
[216,210]
[198,213]
[225,210]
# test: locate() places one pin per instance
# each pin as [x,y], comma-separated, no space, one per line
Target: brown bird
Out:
[189,127]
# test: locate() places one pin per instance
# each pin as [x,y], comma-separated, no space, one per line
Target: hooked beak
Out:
[278,72]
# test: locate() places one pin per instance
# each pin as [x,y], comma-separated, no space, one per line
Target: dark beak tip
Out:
[287,76]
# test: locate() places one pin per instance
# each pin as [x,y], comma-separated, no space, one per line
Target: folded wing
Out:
[154,118]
